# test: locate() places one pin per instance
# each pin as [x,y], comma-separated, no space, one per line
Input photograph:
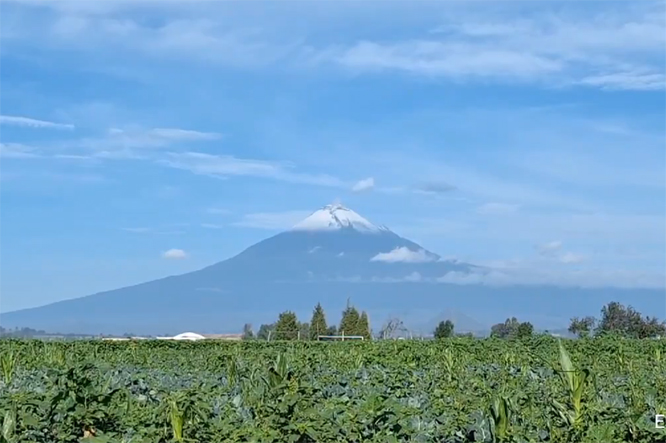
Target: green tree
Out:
[444,329]
[349,321]
[287,326]
[318,323]
[525,330]
[248,334]
[507,329]
[626,321]
[266,332]
[582,327]
[363,326]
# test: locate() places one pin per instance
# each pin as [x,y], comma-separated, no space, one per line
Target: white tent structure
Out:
[191,336]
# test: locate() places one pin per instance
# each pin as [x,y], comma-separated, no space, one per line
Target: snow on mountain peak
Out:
[335,216]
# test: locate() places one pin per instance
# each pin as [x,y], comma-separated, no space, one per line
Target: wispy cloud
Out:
[434,58]
[617,48]
[637,80]
[163,230]
[176,134]
[434,188]
[227,165]
[192,34]
[272,220]
[588,278]
[138,230]
[549,248]
[364,185]
[115,144]
[127,140]
[18,150]
[211,226]
[571,257]
[11,120]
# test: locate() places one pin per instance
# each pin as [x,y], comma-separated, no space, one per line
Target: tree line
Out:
[288,327]
[615,319]
[619,320]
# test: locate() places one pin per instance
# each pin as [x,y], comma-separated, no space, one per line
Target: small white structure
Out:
[191,336]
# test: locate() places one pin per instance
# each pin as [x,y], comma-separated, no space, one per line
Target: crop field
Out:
[601,390]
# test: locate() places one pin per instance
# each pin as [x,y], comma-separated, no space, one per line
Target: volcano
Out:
[333,255]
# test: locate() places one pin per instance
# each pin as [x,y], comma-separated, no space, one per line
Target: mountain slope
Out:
[332,255]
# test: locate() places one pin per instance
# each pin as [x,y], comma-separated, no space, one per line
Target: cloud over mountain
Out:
[404,254]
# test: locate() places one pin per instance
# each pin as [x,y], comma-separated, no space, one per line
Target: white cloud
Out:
[404,254]
[497,209]
[630,80]
[617,46]
[222,165]
[207,35]
[226,165]
[27,122]
[571,258]
[364,185]
[176,134]
[272,220]
[434,58]
[612,48]
[175,254]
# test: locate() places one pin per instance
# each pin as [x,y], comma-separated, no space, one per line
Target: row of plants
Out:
[458,390]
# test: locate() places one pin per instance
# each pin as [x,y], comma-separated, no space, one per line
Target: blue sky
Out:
[526,136]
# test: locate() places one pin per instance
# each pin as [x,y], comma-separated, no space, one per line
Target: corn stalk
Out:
[575,381]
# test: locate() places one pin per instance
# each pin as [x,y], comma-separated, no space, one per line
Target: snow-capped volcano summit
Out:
[334,217]
[332,255]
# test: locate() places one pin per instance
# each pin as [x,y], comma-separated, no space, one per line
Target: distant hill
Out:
[332,255]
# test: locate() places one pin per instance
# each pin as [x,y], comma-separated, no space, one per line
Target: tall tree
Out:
[248,334]
[349,321]
[287,326]
[266,332]
[626,321]
[525,330]
[505,330]
[363,327]
[582,327]
[318,323]
[444,329]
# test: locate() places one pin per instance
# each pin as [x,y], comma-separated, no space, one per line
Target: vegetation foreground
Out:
[455,390]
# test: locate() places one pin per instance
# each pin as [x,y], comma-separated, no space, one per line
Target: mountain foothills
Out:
[331,256]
